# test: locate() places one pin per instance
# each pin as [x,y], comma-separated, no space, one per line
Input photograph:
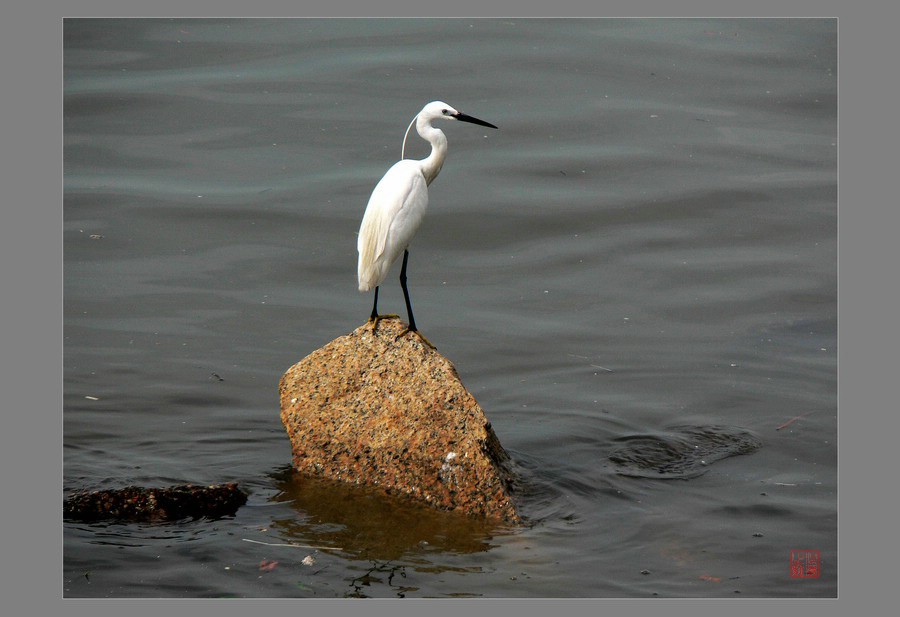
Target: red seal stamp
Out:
[806,564]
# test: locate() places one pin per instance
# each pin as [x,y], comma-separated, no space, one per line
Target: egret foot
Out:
[376,318]
[420,335]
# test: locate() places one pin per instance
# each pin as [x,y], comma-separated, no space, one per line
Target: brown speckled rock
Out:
[371,408]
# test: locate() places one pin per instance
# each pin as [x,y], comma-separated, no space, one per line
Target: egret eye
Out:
[445,111]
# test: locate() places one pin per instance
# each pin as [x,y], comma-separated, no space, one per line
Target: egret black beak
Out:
[467,118]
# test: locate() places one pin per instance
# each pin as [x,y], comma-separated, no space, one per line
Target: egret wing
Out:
[387,225]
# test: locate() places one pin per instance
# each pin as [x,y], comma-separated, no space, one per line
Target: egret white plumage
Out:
[397,206]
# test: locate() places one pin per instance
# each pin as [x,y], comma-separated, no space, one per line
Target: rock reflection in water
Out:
[364,523]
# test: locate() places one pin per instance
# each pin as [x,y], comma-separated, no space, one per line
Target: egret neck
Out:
[431,166]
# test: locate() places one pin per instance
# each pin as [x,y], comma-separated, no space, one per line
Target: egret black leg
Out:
[374,307]
[375,317]
[412,320]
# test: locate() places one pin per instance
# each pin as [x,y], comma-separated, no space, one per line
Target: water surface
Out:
[648,241]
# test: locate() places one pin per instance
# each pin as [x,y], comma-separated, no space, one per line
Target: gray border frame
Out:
[31,265]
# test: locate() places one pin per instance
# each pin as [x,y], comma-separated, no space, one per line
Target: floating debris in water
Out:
[290,545]
[792,420]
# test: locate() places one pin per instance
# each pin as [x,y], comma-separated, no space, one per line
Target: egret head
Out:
[439,109]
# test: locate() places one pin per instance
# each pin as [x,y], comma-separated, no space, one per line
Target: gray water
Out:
[648,241]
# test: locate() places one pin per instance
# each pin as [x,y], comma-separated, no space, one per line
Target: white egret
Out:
[397,206]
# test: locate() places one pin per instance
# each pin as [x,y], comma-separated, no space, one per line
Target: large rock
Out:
[371,408]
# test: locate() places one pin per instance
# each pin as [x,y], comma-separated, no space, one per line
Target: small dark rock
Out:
[136,503]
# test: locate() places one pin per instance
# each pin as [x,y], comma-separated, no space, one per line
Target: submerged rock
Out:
[681,452]
[137,503]
[378,409]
